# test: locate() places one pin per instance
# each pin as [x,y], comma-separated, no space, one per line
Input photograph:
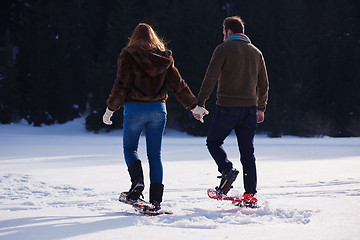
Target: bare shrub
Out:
[353,128]
[319,125]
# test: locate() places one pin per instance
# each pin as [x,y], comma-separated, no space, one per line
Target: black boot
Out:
[137,180]
[228,176]
[156,193]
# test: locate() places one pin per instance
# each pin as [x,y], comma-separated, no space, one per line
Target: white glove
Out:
[199,113]
[107,115]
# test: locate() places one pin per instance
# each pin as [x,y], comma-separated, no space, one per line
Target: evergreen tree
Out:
[338,87]
[185,24]
[54,59]
[58,58]
[198,32]
[281,31]
[122,19]
[9,92]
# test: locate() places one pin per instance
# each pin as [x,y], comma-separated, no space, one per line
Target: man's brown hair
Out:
[235,24]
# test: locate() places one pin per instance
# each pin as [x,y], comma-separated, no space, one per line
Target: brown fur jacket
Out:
[145,76]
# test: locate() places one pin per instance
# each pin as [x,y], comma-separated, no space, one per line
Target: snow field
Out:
[61,182]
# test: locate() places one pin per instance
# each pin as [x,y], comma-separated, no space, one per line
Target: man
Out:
[239,69]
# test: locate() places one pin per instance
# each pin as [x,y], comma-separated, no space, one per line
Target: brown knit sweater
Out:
[239,69]
[145,76]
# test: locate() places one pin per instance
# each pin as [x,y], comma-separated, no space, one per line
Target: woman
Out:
[145,72]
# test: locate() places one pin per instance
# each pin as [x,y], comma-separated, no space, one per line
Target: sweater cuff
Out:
[201,103]
[263,109]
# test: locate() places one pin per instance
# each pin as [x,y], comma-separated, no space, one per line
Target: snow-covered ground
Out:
[61,182]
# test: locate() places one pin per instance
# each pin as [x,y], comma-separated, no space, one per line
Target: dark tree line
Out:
[58,58]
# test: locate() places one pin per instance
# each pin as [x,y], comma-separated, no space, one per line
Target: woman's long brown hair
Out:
[145,37]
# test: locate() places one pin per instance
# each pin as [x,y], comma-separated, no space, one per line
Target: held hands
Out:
[199,112]
[107,115]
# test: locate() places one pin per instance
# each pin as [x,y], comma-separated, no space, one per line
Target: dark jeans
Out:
[244,121]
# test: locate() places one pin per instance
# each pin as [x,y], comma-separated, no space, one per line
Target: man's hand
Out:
[199,112]
[107,115]
[260,116]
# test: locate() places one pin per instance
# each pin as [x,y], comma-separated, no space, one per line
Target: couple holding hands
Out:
[145,72]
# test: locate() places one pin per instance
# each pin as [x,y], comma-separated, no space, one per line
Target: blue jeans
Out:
[244,121]
[154,124]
